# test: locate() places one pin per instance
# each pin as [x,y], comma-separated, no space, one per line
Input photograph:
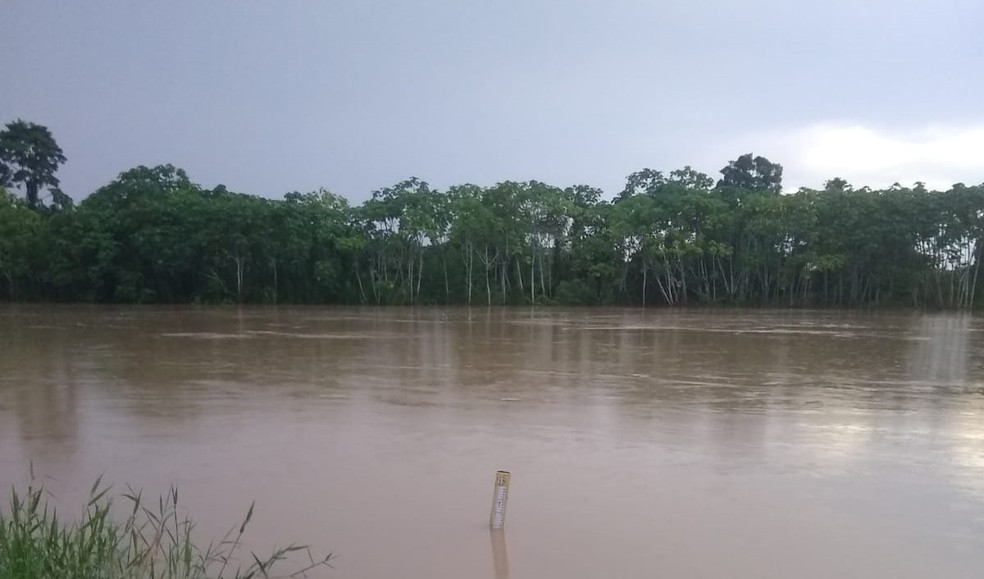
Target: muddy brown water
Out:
[679,444]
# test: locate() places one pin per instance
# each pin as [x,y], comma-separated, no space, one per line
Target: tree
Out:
[669,238]
[29,158]
[752,174]
[19,228]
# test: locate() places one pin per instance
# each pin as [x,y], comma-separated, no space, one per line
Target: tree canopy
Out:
[152,235]
[29,158]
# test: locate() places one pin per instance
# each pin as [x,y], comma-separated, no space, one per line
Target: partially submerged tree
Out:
[668,238]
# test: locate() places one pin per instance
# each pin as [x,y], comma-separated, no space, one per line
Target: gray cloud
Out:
[268,97]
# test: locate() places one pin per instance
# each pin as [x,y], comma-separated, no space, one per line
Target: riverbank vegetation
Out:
[668,238]
[150,541]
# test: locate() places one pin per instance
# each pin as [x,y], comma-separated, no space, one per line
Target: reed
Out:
[149,541]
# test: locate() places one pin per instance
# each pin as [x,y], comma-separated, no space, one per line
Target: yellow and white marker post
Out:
[500,495]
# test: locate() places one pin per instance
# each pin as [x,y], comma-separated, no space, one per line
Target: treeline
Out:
[154,236]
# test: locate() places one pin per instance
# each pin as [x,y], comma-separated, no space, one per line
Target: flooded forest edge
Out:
[679,238]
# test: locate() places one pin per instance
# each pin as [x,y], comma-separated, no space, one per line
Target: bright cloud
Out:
[937,155]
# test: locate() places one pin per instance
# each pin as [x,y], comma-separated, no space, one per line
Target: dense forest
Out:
[675,238]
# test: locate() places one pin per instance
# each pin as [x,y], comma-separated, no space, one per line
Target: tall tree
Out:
[752,174]
[29,158]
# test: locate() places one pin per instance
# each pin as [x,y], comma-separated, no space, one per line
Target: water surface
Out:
[679,444]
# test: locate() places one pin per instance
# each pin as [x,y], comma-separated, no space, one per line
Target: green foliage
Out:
[29,158]
[676,238]
[19,227]
[752,174]
[152,541]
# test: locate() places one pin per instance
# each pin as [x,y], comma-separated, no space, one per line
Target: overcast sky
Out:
[353,95]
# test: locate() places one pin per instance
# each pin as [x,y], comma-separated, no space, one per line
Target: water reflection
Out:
[39,391]
[500,559]
[683,423]
[941,353]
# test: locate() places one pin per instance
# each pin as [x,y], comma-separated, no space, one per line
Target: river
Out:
[660,443]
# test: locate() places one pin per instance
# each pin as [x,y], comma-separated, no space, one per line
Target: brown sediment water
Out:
[661,443]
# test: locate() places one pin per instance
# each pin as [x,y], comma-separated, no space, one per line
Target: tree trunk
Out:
[519,275]
[502,280]
[362,290]
[373,275]
[10,284]
[533,277]
[240,265]
[447,286]
[488,283]
[31,193]
[663,290]
[645,279]
[469,262]
[410,277]
[973,282]
[420,272]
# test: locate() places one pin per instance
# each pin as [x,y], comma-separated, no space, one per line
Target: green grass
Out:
[149,542]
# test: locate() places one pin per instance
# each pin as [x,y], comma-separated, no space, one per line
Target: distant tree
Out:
[753,174]
[838,185]
[18,237]
[642,182]
[29,158]
[669,238]
[692,179]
